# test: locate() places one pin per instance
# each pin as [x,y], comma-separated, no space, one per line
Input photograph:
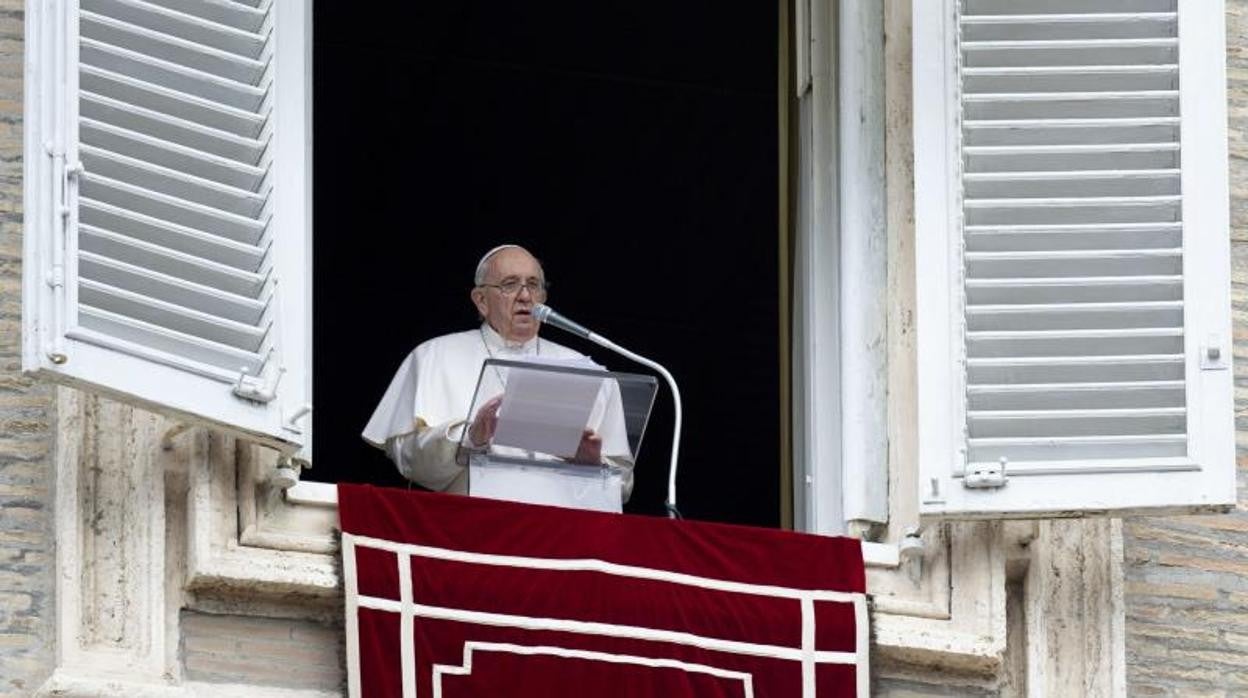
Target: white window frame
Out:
[840,361]
[1202,482]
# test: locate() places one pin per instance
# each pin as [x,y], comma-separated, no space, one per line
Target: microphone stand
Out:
[545,314]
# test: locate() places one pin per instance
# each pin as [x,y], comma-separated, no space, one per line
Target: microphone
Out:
[545,314]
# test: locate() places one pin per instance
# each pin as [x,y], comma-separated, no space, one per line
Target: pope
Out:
[421,419]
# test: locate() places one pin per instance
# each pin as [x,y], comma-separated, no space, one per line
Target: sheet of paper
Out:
[545,411]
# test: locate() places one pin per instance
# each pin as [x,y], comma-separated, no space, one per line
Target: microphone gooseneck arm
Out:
[545,314]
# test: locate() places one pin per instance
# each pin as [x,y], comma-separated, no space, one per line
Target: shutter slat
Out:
[1074,316]
[159,285]
[170,75]
[193,268]
[169,181]
[1068,131]
[1071,105]
[978,54]
[1076,422]
[1110,368]
[1086,183]
[1140,209]
[1024,158]
[1077,236]
[1075,290]
[190,27]
[227,12]
[171,236]
[1096,395]
[171,155]
[175,318]
[107,30]
[172,209]
[1076,448]
[164,127]
[1074,263]
[1071,79]
[1061,7]
[178,347]
[1125,25]
[1036,343]
[172,102]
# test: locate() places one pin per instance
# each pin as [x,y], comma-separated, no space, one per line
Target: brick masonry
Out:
[293,654]
[26,417]
[1187,577]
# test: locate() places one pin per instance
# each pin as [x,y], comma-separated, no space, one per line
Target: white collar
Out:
[495,343]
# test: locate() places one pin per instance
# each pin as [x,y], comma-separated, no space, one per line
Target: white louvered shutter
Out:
[167,226]
[1073,256]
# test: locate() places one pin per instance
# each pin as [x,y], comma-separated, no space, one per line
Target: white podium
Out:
[599,488]
[545,408]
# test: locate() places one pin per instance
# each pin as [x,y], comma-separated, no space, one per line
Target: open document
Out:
[546,411]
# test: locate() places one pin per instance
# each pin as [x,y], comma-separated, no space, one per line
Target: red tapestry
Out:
[451,597]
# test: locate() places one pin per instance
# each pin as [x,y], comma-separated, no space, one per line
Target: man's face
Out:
[511,314]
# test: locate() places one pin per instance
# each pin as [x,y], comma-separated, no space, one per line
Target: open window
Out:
[1074,318]
[179,277]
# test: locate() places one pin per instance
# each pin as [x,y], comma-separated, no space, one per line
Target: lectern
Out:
[546,406]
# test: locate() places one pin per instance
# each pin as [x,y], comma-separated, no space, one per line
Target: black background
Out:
[632,146]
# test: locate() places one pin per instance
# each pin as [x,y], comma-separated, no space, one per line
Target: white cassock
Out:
[420,419]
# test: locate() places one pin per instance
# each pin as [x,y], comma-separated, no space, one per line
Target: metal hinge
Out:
[982,476]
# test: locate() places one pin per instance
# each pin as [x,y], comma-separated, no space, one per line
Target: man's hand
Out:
[486,421]
[589,451]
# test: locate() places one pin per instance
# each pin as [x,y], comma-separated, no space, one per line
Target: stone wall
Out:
[26,418]
[298,654]
[1187,577]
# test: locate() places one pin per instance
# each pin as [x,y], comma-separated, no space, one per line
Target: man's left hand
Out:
[589,452]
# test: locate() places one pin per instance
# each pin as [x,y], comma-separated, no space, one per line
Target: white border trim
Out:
[439,670]
[408,610]
[584,627]
[595,565]
[351,585]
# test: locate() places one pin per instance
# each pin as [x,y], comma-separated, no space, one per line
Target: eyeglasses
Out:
[511,287]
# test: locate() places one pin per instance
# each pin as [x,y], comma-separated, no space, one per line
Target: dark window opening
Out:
[631,145]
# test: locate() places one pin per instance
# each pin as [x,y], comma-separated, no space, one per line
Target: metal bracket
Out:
[983,476]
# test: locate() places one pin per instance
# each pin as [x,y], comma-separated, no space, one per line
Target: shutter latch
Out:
[1213,354]
[258,388]
[983,476]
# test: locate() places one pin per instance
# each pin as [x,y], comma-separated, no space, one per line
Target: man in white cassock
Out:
[420,420]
